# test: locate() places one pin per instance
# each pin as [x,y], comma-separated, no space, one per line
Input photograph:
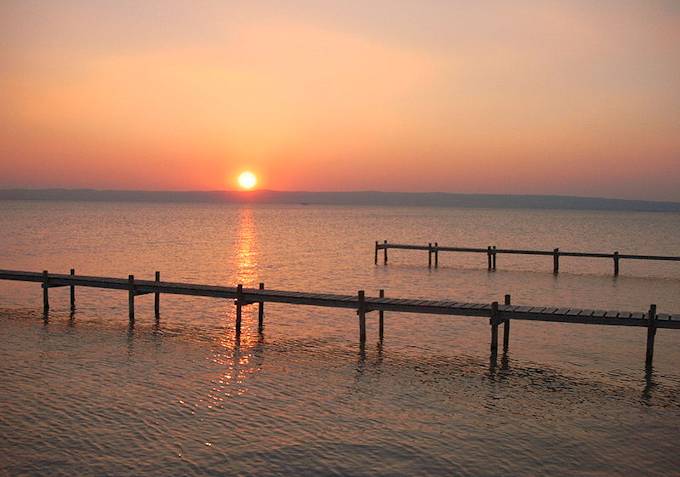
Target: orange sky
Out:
[564,97]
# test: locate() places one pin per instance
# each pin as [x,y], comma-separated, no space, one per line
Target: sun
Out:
[247,180]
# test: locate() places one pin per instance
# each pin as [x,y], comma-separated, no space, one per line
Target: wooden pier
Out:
[492,251]
[498,314]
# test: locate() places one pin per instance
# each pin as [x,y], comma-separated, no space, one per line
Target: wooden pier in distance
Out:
[492,251]
[498,314]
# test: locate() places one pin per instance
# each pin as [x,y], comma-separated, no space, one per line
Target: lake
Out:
[89,394]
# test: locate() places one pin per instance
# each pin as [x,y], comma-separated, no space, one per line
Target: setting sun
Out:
[247,180]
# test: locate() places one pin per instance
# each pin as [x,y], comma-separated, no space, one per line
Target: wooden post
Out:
[361,311]
[157,297]
[72,289]
[239,305]
[436,255]
[385,251]
[381,317]
[429,255]
[131,297]
[556,260]
[46,297]
[494,328]
[506,328]
[376,252]
[260,306]
[488,256]
[651,333]
[494,257]
[616,264]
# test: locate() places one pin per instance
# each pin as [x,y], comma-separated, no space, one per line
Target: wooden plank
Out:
[537,309]
[611,314]
[574,312]
[637,315]
[598,313]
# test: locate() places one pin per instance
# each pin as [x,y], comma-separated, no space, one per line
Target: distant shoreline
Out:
[370,198]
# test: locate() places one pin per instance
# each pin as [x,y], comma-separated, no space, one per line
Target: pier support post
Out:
[157,298]
[131,297]
[493,257]
[46,296]
[361,311]
[506,328]
[556,261]
[381,317]
[429,255]
[72,290]
[260,308]
[239,306]
[436,255]
[494,328]
[385,251]
[488,257]
[616,264]
[376,252]
[651,333]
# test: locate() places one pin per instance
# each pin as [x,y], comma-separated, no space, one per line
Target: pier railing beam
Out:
[494,328]
[556,261]
[506,328]
[157,298]
[72,290]
[239,306]
[651,333]
[616,264]
[361,311]
[381,318]
[131,297]
[46,296]
[260,307]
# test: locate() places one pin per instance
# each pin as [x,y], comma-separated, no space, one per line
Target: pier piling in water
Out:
[429,255]
[488,257]
[46,296]
[361,311]
[616,264]
[556,261]
[239,306]
[493,320]
[260,311]
[157,298]
[381,317]
[131,297]
[651,333]
[72,291]
[493,257]
[506,328]
[376,252]
[385,251]
[436,255]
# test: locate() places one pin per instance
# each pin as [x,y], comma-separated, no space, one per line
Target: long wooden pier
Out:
[492,251]
[498,314]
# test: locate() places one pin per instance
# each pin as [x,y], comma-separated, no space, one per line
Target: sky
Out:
[522,97]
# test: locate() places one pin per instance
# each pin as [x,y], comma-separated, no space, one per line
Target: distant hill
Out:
[436,199]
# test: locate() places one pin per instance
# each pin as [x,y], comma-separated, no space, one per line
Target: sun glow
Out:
[247,180]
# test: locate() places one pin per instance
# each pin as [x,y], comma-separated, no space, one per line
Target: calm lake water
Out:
[86,394]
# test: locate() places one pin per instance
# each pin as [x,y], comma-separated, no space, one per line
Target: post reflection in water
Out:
[239,355]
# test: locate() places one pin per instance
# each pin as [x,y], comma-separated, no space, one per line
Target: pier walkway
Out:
[498,314]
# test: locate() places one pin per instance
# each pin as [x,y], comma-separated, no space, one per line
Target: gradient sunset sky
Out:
[554,97]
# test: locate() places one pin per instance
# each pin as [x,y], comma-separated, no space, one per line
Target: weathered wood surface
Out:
[403,305]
